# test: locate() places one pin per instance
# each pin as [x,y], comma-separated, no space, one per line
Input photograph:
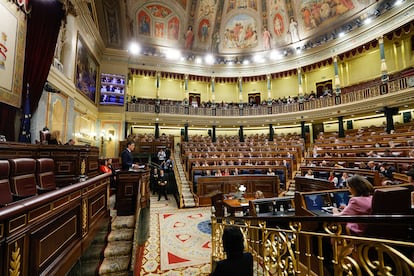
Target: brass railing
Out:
[320,246]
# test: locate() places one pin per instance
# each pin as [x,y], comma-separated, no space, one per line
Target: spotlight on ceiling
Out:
[398,2]
[246,61]
[209,59]
[275,55]
[367,20]
[341,34]
[198,60]
[258,58]
[134,48]
[173,54]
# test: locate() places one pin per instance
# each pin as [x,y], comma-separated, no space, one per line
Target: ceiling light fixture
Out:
[198,60]
[209,59]
[134,48]
[398,2]
[173,54]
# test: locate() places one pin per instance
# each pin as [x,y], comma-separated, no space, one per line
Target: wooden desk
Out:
[268,184]
[235,205]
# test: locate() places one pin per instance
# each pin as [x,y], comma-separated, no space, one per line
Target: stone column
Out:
[240,85]
[337,84]
[303,130]
[389,112]
[300,89]
[241,135]
[157,130]
[213,134]
[186,132]
[157,87]
[341,126]
[186,95]
[384,71]
[271,132]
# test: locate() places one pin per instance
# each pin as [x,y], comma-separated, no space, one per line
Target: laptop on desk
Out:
[318,203]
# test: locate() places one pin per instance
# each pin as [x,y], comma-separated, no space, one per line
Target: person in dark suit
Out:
[126,156]
[162,185]
[237,262]
[154,180]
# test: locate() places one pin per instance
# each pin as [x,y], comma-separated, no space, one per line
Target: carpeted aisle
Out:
[180,240]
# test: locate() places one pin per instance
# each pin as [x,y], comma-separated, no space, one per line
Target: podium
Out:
[132,187]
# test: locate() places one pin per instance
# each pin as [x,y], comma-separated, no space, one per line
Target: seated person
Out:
[104,168]
[309,174]
[342,180]
[387,170]
[410,175]
[332,178]
[237,262]
[359,204]
[71,142]
[258,194]
[270,171]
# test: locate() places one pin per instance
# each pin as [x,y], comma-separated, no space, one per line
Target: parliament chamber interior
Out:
[134,133]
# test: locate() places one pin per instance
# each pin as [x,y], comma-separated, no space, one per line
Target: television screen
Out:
[317,201]
[112,89]
[341,198]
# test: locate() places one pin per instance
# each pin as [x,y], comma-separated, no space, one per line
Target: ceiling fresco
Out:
[230,26]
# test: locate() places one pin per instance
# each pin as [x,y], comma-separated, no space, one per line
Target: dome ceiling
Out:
[231,27]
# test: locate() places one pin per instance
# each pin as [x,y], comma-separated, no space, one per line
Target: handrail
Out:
[47,233]
[319,245]
[371,90]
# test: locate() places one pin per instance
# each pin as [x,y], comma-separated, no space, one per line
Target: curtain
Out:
[43,25]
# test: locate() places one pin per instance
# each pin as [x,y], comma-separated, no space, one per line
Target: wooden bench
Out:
[304,184]
[373,176]
[199,172]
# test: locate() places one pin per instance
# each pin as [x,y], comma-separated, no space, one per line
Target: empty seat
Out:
[22,177]
[391,201]
[45,175]
[5,192]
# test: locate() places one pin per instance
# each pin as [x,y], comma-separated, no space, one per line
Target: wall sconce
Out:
[107,137]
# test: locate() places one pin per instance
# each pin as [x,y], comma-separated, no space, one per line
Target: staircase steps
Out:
[117,254]
[187,196]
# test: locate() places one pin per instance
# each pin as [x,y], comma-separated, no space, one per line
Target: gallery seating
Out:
[22,177]
[5,192]
[45,175]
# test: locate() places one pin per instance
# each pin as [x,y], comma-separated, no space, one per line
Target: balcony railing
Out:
[360,92]
[319,245]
